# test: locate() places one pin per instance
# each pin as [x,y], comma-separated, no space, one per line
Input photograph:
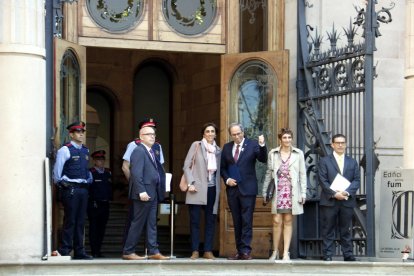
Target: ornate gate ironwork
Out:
[335,95]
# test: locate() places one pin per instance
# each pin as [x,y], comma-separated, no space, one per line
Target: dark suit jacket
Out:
[146,176]
[328,169]
[245,168]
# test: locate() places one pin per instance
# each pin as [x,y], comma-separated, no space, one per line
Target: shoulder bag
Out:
[270,191]
[183,181]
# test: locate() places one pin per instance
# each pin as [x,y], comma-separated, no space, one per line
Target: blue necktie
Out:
[153,157]
[155,162]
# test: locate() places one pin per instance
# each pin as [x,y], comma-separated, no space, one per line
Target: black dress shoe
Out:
[245,256]
[350,259]
[99,255]
[327,258]
[234,257]
[83,257]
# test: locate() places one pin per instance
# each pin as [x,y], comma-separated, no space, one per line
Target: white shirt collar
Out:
[148,148]
[337,156]
[241,143]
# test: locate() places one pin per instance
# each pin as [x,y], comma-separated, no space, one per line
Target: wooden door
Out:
[69,103]
[254,92]
[69,86]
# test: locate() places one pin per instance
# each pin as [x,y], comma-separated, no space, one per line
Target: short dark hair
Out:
[339,135]
[236,124]
[207,125]
[284,131]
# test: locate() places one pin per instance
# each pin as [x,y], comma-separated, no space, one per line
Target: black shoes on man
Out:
[350,259]
[240,256]
[83,257]
[346,259]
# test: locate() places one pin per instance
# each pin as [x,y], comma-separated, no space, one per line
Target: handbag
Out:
[183,181]
[270,191]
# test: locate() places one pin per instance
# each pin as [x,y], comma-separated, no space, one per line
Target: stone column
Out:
[409,87]
[23,129]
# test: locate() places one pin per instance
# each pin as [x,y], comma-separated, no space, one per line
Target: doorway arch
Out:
[101,125]
[153,99]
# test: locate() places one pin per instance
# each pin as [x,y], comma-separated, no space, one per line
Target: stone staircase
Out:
[113,241]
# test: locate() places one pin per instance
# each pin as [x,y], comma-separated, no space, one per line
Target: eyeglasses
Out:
[340,143]
[236,134]
[150,134]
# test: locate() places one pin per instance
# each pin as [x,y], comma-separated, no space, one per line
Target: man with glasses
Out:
[156,147]
[72,177]
[238,170]
[132,145]
[146,189]
[337,201]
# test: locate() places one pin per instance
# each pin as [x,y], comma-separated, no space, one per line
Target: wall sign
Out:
[397,210]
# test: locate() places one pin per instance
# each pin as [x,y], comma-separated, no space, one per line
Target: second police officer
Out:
[100,195]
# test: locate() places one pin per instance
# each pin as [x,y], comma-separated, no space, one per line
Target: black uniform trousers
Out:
[98,215]
[75,202]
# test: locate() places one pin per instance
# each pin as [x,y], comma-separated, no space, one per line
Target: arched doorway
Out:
[152,99]
[100,122]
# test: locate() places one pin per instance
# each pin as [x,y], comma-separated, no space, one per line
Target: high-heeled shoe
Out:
[286,257]
[275,255]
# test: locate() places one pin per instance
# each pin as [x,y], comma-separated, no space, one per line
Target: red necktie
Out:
[236,154]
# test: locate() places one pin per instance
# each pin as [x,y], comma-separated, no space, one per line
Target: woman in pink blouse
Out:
[286,165]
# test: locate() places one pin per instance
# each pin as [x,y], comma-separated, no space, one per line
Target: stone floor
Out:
[185,266]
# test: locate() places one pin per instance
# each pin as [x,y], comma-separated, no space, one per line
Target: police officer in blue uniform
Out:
[72,177]
[100,193]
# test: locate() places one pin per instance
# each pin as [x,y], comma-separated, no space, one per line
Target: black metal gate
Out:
[335,95]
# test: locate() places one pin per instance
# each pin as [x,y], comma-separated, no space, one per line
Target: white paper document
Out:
[340,183]
[168,177]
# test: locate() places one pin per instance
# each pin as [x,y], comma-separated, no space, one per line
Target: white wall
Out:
[22,121]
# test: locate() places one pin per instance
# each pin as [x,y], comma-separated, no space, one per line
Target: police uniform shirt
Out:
[63,154]
[130,148]
[101,187]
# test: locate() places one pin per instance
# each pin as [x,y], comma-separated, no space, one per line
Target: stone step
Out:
[114,235]
[221,266]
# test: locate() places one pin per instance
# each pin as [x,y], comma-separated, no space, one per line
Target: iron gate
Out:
[335,95]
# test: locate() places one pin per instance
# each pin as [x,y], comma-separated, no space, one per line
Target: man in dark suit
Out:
[238,169]
[337,205]
[146,189]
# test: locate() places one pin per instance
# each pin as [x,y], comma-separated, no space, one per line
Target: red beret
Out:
[98,154]
[148,122]
[76,126]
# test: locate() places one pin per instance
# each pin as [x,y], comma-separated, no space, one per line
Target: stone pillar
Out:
[23,129]
[409,88]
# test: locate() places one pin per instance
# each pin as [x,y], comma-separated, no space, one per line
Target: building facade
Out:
[112,63]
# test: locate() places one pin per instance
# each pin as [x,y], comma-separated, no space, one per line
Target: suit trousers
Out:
[333,216]
[242,208]
[144,214]
[209,219]
[75,202]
